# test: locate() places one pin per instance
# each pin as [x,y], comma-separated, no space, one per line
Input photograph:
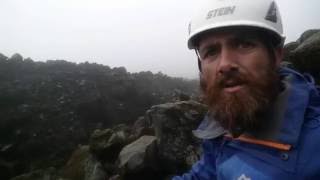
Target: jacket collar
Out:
[209,129]
[290,111]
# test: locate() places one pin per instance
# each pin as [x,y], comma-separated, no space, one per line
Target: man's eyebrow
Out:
[244,36]
[208,46]
[238,36]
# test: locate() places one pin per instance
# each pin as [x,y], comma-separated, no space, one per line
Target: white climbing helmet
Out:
[226,13]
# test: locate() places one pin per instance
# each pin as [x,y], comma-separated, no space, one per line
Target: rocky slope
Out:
[158,145]
[304,54]
[48,108]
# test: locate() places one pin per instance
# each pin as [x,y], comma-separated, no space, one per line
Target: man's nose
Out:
[227,61]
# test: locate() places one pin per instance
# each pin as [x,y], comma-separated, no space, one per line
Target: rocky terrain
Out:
[157,146]
[49,108]
[89,140]
[304,54]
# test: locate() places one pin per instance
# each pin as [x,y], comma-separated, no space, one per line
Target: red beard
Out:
[246,109]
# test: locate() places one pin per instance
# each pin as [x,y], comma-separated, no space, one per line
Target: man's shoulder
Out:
[310,131]
[308,148]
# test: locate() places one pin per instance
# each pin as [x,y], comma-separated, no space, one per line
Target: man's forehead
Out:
[214,38]
[227,34]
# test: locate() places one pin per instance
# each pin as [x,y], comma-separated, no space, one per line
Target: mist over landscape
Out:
[138,35]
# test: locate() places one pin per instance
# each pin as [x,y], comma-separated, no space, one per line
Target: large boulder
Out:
[84,166]
[99,140]
[178,149]
[307,34]
[304,54]
[107,143]
[142,126]
[138,155]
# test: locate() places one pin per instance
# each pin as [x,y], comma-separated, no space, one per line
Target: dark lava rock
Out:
[84,166]
[173,123]
[305,53]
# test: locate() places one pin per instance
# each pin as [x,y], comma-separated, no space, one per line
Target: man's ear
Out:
[279,52]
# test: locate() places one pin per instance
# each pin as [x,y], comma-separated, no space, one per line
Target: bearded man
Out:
[264,119]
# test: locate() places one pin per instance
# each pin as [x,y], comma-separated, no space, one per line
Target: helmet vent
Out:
[272,13]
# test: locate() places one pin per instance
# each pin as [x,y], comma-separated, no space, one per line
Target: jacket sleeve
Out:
[205,168]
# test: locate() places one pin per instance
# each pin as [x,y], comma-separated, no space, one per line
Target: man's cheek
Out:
[209,75]
[203,83]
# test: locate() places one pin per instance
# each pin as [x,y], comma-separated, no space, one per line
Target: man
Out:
[263,120]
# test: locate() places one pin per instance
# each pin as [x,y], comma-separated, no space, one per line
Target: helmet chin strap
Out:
[199,65]
[199,62]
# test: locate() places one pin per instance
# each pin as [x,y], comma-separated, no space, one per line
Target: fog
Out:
[139,35]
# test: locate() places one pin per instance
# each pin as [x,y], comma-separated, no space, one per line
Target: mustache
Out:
[231,79]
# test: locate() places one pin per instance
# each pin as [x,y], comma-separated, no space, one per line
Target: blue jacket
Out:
[227,158]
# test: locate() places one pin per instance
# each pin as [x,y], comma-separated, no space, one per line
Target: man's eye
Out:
[210,53]
[245,44]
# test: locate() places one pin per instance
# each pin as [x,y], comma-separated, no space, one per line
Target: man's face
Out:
[238,78]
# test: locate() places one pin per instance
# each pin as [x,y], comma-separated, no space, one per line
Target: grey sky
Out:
[140,35]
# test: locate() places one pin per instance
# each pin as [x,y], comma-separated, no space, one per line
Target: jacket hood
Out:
[302,105]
